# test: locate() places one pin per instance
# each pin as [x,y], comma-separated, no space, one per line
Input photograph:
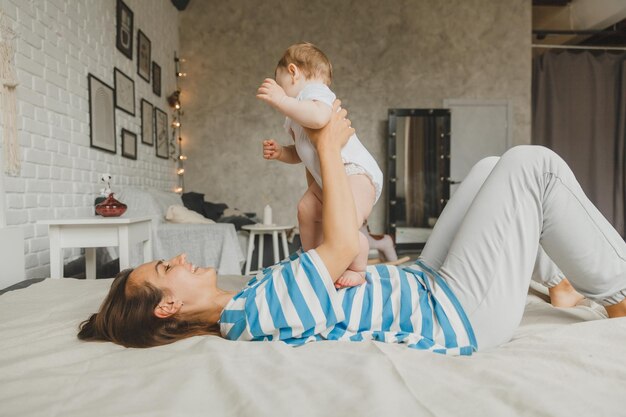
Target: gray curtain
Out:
[579,111]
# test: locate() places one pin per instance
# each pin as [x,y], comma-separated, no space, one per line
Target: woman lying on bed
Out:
[467,290]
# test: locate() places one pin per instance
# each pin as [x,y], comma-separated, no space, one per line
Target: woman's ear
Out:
[167,308]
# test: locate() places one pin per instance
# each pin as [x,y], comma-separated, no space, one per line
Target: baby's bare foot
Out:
[564,295]
[350,279]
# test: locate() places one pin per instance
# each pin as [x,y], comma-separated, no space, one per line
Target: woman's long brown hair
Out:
[126,317]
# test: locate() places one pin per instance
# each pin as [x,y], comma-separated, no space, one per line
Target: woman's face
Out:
[182,282]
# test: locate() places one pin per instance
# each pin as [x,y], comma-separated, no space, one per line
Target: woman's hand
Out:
[271,149]
[271,93]
[336,133]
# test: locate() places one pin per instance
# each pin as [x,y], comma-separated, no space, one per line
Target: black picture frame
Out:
[124,29]
[124,92]
[144,55]
[129,144]
[101,115]
[156,79]
[147,122]
[161,129]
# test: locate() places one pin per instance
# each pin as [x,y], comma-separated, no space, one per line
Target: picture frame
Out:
[161,129]
[156,79]
[147,122]
[124,92]
[144,55]
[101,115]
[124,29]
[129,144]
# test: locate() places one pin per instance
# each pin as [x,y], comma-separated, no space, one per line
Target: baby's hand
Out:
[271,149]
[271,93]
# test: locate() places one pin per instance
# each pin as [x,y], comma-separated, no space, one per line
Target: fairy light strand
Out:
[176,140]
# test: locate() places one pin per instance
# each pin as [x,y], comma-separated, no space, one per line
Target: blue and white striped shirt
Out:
[296,302]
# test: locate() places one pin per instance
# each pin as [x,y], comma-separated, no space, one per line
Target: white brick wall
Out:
[59,42]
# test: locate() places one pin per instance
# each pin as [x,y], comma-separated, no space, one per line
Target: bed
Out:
[562,362]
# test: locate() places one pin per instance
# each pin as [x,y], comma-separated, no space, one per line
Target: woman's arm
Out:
[307,113]
[341,241]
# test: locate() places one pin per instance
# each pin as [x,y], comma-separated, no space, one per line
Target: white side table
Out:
[97,232]
[261,230]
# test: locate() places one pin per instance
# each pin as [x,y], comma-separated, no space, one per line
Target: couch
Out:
[215,244]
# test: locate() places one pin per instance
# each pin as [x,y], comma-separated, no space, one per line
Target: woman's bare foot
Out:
[350,279]
[564,295]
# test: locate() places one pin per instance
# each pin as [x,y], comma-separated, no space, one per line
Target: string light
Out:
[174,102]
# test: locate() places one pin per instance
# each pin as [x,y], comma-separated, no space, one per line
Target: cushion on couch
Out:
[181,214]
[214,210]
[194,201]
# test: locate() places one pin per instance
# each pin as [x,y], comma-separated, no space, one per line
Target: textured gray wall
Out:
[384,54]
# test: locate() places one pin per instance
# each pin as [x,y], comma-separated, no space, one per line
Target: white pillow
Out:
[181,214]
[228,212]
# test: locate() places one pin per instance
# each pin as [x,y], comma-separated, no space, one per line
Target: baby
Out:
[301,92]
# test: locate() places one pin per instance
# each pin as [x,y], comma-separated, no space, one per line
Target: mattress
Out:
[561,362]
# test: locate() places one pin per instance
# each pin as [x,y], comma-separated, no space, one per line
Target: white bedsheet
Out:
[561,363]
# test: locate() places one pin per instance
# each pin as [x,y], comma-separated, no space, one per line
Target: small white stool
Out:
[261,230]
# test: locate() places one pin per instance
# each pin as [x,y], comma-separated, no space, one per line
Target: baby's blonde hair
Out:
[310,60]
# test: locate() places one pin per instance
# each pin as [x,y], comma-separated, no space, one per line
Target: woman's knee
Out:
[523,153]
[526,157]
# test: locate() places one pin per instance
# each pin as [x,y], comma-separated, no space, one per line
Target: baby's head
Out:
[300,63]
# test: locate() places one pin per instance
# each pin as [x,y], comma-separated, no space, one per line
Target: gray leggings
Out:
[490,240]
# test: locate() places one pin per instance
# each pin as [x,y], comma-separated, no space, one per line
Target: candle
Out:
[267,215]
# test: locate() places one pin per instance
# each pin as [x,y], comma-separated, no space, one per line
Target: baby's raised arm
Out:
[307,113]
